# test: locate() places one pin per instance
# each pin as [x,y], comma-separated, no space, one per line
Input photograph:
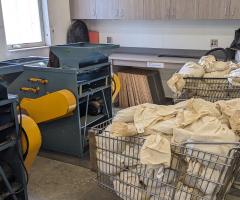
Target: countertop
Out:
[154,58]
[161,51]
[149,58]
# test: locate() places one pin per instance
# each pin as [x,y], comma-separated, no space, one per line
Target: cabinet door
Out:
[83,9]
[131,9]
[234,10]
[157,9]
[183,9]
[107,9]
[213,9]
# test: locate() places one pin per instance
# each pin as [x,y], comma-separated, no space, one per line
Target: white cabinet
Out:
[183,9]
[213,9]
[234,9]
[107,9]
[131,9]
[157,9]
[83,9]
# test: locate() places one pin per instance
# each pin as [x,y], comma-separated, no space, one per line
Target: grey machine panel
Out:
[85,71]
[62,135]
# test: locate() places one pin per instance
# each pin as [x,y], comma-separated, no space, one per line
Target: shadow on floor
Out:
[57,176]
[83,162]
[54,180]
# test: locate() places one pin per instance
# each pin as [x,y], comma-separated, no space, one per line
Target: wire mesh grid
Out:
[210,89]
[192,175]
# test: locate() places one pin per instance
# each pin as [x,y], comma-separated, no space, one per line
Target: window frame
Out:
[33,44]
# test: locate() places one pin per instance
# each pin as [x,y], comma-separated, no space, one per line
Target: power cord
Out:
[19,136]
[20,132]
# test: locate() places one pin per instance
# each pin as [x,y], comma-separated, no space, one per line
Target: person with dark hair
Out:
[77,32]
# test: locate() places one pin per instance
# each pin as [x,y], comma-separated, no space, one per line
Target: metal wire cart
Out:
[192,175]
[210,89]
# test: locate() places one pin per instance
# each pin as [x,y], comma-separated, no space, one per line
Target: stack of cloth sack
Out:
[135,150]
[207,67]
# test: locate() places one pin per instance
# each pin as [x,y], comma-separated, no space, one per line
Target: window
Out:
[23,23]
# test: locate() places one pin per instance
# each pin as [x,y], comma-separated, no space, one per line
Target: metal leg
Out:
[85,122]
[105,103]
[9,187]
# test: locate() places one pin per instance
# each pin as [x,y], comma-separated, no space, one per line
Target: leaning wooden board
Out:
[138,87]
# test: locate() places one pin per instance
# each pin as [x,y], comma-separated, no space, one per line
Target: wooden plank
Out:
[126,89]
[143,88]
[130,90]
[135,87]
[134,90]
[137,94]
[121,90]
[124,92]
[127,93]
[148,90]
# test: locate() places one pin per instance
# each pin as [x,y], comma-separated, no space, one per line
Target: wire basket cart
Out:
[192,175]
[210,89]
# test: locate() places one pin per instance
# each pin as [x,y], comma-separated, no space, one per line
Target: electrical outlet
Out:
[214,43]
[109,40]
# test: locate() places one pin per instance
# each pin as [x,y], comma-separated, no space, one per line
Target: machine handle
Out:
[32,90]
[38,80]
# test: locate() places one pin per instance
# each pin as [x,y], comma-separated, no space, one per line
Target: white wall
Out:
[166,34]
[56,28]
[59,18]
[2,37]
[153,34]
